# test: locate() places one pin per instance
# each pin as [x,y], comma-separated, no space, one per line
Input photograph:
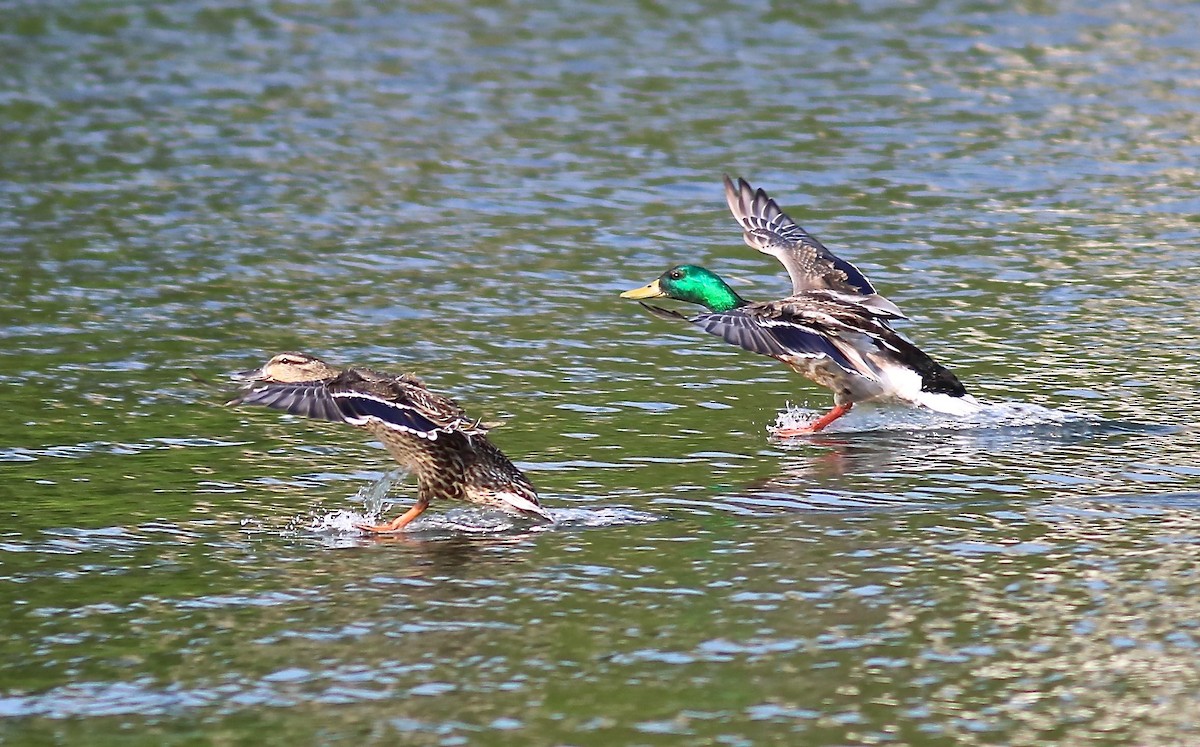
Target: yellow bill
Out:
[653,290]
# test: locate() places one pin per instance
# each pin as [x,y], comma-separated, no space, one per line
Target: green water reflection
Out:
[461,191]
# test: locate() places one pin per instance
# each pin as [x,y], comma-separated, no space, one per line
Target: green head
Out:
[693,284]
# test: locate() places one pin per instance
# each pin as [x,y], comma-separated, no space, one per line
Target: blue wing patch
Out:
[360,407]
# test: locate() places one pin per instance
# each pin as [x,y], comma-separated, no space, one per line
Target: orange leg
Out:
[400,521]
[817,425]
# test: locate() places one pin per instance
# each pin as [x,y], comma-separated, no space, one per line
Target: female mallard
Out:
[809,264]
[839,343]
[425,432]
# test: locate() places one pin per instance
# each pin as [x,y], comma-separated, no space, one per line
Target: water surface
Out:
[186,188]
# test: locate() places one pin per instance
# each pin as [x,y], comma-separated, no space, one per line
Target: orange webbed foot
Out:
[397,523]
[815,426]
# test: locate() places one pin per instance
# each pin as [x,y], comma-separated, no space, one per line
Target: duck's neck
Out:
[720,297]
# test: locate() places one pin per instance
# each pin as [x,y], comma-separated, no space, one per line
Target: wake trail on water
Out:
[866,419]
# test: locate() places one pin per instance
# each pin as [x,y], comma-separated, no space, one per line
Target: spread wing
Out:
[310,399]
[777,338]
[361,397]
[361,409]
[809,264]
[399,403]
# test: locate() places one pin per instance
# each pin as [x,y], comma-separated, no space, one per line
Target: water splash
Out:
[340,522]
[473,520]
[462,519]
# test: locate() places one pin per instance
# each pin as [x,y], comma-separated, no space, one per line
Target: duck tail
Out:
[940,388]
[524,504]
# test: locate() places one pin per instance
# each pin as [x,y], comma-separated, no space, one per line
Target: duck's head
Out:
[693,284]
[289,368]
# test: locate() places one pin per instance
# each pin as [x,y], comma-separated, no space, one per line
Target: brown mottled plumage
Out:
[425,432]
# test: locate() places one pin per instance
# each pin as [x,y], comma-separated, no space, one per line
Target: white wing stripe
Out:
[431,435]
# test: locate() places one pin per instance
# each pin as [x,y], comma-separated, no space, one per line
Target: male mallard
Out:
[809,264]
[425,432]
[838,342]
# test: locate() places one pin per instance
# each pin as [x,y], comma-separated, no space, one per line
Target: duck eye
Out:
[676,274]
